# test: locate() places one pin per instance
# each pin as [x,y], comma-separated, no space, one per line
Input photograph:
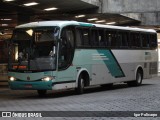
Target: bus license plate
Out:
[28,86]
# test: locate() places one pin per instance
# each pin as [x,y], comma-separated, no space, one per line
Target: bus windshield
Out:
[33,49]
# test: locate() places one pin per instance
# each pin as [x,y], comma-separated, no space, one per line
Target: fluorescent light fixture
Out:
[100,21]
[49,9]
[8,0]
[79,16]
[6,19]
[4,24]
[31,4]
[92,19]
[110,23]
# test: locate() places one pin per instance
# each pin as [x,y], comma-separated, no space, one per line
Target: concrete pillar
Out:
[93,2]
[146,11]
[152,18]
[130,6]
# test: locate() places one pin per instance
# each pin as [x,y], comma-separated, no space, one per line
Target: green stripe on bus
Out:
[112,64]
[85,24]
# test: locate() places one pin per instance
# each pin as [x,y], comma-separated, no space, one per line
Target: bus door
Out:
[66,71]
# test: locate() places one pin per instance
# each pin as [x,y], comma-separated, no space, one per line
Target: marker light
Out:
[12,78]
[110,23]
[47,78]
[49,9]
[100,21]
[80,16]
[92,19]
[8,0]
[31,4]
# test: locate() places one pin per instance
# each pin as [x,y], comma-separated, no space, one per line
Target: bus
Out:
[55,55]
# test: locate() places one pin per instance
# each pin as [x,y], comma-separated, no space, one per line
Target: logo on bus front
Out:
[28,78]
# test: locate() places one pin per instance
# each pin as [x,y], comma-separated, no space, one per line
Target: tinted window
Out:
[97,37]
[101,38]
[94,37]
[114,38]
[153,40]
[122,39]
[125,39]
[145,40]
[82,37]
[111,38]
[135,41]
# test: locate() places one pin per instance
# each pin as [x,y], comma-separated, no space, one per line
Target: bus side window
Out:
[112,38]
[122,40]
[145,40]
[85,37]
[107,35]
[135,40]
[82,37]
[119,40]
[101,38]
[125,40]
[94,37]
[153,41]
[78,38]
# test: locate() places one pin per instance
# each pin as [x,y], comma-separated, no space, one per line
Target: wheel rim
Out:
[139,78]
[82,83]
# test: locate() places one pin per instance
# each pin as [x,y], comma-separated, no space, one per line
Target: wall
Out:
[130,6]
[146,11]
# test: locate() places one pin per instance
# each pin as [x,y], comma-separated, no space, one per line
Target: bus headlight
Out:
[12,78]
[48,78]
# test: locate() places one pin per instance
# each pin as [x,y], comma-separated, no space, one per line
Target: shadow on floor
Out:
[32,94]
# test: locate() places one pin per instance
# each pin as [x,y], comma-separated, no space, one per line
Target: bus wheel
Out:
[80,88]
[138,81]
[42,93]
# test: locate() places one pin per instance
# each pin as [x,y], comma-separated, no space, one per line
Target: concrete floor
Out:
[119,98]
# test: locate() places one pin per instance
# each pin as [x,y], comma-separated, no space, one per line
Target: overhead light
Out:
[92,19]
[100,21]
[79,16]
[6,19]
[110,23]
[4,24]
[8,0]
[31,4]
[49,9]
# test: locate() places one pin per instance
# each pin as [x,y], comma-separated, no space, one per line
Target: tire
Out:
[42,93]
[138,81]
[80,88]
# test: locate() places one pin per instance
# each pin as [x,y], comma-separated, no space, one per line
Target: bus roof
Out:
[66,23]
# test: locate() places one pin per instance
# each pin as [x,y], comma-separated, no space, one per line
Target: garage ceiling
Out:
[15,12]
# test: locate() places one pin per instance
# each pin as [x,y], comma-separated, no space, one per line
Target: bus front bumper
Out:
[35,85]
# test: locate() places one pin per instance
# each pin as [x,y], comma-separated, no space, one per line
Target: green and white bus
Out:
[54,55]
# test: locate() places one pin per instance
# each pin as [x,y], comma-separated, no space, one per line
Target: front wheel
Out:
[80,88]
[138,81]
[42,93]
